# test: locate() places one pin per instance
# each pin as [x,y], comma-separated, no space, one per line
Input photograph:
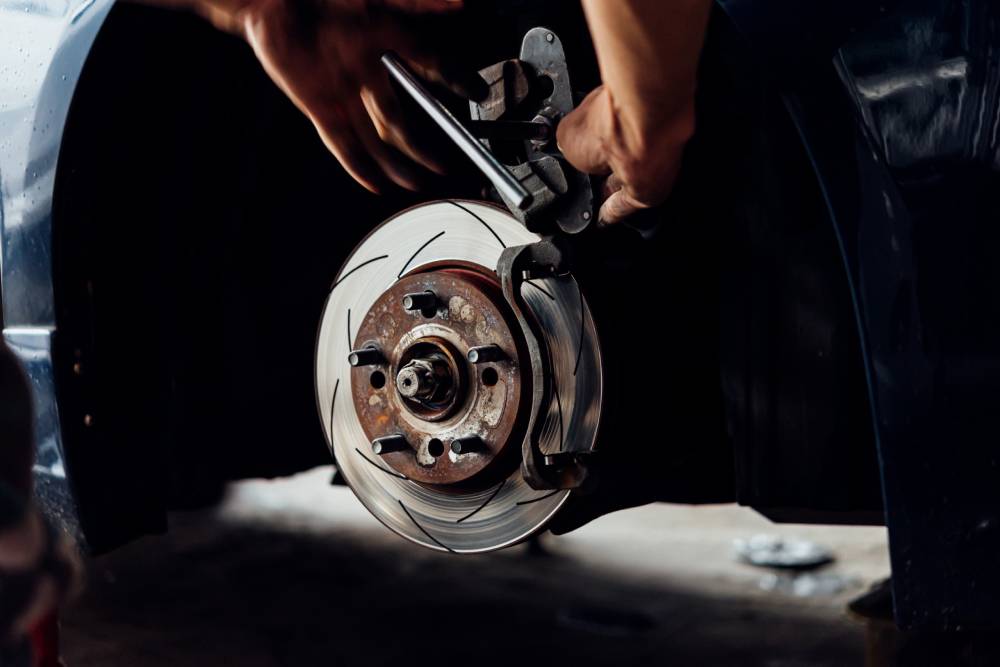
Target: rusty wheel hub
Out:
[423,388]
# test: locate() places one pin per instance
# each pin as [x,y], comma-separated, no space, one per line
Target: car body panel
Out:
[43,49]
[911,186]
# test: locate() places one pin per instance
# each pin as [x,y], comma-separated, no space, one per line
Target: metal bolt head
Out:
[545,119]
[549,37]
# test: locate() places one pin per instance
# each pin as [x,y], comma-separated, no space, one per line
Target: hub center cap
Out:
[430,382]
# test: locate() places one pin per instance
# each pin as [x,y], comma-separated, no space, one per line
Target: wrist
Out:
[645,145]
[649,129]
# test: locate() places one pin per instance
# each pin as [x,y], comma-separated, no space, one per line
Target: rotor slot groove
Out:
[483,222]
[488,501]
[348,330]
[333,407]
[359,266]
[385,470]
[538,499]
[424,530]
[419,250]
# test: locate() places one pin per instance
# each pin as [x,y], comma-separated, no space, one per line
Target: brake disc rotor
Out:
[427,434]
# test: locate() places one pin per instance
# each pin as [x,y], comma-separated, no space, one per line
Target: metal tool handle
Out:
[501,178]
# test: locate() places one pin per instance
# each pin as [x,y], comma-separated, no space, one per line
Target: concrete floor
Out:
[295,572]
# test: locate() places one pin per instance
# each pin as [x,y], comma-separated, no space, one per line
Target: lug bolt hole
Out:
[435,447]
[377,379]
[490,376]
[429,313]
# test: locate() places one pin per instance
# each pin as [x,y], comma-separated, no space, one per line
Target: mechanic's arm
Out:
[634,127]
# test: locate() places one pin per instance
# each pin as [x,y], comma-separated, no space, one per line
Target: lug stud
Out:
[390,443]
[468,445]
[426,300]
[485,354]
[369,356]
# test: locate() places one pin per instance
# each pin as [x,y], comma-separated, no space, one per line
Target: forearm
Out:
[648,54]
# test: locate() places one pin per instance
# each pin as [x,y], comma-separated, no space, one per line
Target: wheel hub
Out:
[437,395]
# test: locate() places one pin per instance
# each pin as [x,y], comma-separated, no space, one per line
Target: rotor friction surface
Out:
[508,512]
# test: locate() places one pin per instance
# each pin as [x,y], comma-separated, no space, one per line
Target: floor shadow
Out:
[211,593]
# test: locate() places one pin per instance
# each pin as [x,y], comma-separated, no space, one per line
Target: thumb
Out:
[580,134]
[618,207]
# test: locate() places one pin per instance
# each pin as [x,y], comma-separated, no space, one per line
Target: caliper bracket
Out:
[518,264]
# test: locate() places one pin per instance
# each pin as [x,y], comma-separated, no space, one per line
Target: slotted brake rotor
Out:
[423,381]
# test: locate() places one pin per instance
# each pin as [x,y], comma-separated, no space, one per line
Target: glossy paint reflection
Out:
[43,46]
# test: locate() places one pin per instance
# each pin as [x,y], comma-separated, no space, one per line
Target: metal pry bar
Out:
[498,175]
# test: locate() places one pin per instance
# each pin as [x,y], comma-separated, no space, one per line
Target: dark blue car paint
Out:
[911,188]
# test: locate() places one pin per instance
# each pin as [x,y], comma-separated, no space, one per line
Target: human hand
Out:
[325,55]
[634,127]
[640,161]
